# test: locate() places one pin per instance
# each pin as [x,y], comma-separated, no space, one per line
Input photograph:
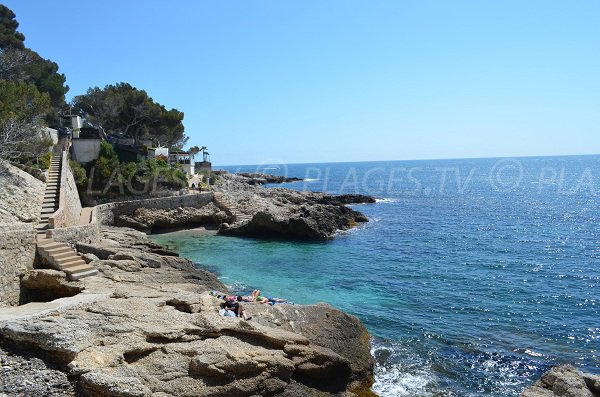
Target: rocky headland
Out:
[255,178]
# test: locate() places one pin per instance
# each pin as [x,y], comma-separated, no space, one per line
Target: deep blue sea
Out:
[473,276]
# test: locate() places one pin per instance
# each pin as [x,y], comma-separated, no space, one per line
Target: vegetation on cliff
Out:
[110,176]
[124,109]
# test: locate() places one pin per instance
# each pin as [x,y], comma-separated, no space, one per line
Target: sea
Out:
[473,276]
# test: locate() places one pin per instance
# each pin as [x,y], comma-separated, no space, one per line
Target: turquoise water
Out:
[474,276]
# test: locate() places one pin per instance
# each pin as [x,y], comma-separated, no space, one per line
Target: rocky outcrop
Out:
[564,381]
[240,208]
[255,178]
[146,219]
[148,326]
[46,284]
[315,221]
[288,213]
[20,196]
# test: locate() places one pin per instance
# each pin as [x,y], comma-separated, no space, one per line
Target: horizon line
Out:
[426,159]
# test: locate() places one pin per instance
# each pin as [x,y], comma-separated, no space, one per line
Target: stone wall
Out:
[78,234]
[106,213]
[17,254]
[69,208]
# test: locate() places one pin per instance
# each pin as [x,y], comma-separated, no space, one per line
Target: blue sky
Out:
[320,81]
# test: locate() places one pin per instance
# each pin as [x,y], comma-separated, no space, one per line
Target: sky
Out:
[343,80]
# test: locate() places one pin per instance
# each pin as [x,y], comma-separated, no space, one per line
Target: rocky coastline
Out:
[148,326]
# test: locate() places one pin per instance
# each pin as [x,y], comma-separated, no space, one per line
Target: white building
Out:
[186,159]
[85,147]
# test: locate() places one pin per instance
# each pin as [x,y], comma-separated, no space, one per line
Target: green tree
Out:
[9,37]
[44,74]
[19,63]
[22,108]
[122,108]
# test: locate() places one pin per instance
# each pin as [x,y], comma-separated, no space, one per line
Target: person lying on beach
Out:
[239,298]
[266,299]
[237,308]
[254,297]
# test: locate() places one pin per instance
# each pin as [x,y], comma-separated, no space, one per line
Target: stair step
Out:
[57,250]
[71,264]
[83,274]
[65,256]
[48,244]
[79,268]
[48,211]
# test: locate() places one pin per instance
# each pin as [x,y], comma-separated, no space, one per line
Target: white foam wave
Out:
[386,200]
[533,353]
[394,381]
[310,180]
[411,377]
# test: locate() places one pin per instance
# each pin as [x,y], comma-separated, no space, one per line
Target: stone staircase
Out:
[227,206]
[59,256]
[52,193]
[62,257]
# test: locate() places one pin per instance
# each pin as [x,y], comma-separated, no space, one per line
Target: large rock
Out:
[47,284]
[564,381]
[146,219]
[21,195]
[288,213]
